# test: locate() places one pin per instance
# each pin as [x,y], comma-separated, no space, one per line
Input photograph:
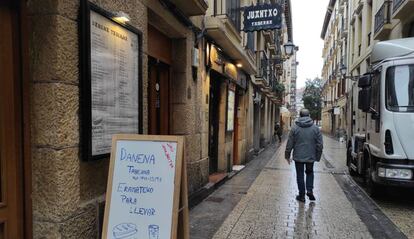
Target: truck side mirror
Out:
[364,99]
[364,81]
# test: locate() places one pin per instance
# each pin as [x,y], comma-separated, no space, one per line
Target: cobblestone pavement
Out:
[336,153]
[396,203]
[400,210]
[269,209]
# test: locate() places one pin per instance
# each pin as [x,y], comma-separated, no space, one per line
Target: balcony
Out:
[269,36]
[353,18]
[382,24]
[223,26]
[358,8]
[341,8]
[402,9]
[192,7]
[263,69]
[344,29]
[272,48]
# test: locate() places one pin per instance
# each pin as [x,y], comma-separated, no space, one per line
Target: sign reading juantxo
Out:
[262,17]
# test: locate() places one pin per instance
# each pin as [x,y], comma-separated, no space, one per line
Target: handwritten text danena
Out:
[137,158]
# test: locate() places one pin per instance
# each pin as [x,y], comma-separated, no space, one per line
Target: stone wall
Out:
[68,193]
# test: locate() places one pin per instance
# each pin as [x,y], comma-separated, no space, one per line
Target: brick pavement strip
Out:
[269,209]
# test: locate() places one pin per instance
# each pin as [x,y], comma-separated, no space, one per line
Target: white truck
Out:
[381,118]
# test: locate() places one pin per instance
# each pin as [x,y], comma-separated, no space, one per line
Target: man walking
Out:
[278,132]
[305,139]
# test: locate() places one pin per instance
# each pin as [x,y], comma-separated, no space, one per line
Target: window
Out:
[233,12]
[375,95]
[400,93]
[250,41]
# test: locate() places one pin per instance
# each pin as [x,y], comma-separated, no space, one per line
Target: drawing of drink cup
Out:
[153,231]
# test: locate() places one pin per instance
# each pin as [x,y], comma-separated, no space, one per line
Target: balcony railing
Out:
[263,66]
[402,9]
[229,8]
[397,4]
[382,17]
[250,41]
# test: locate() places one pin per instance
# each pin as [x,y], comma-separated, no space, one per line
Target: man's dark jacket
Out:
[305,139]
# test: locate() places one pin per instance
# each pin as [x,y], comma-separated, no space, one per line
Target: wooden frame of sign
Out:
[131,194]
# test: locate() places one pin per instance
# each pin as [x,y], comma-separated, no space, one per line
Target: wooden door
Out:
[158,97]
[11,173]
[159,61]
[214,114]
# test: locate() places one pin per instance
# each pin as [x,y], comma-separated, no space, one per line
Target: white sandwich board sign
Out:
[143,191]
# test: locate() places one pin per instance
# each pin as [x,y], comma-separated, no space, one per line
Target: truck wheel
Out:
[348,162]
[372,188]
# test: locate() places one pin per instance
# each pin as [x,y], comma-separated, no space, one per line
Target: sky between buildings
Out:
[307,20]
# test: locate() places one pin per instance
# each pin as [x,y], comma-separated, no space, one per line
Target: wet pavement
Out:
[269,209]
[266,207]
[396,203]
[207,217]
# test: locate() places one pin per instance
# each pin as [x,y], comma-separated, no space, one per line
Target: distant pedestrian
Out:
[305,139]
[278,132]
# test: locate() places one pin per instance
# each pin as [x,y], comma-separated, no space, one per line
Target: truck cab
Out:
[383,151]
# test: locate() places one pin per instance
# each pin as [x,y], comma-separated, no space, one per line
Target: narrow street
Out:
[268,208]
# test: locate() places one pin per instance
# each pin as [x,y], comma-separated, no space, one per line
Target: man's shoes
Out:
[300,198]
[311,196]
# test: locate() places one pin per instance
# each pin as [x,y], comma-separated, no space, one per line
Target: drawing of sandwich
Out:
[124,230]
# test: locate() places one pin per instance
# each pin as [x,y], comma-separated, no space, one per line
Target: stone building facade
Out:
[195,64]
[350,30]
[334,33]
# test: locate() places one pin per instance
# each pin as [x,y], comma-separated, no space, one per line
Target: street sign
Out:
[262,17]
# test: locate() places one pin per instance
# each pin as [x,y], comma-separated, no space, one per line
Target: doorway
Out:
[214,116]
[236,156]
[11,123]
[158,97]
[159,80]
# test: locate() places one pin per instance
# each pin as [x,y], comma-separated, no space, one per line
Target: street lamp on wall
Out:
[343,70]
[289,47]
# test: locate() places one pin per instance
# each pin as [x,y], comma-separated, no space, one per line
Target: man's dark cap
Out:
[304,113]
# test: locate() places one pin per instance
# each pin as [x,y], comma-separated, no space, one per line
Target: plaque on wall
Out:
[231,97]
[111,81]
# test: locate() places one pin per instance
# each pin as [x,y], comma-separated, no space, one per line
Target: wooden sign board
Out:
[147,189]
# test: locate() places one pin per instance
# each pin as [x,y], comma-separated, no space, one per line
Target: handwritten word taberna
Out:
[137,158]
